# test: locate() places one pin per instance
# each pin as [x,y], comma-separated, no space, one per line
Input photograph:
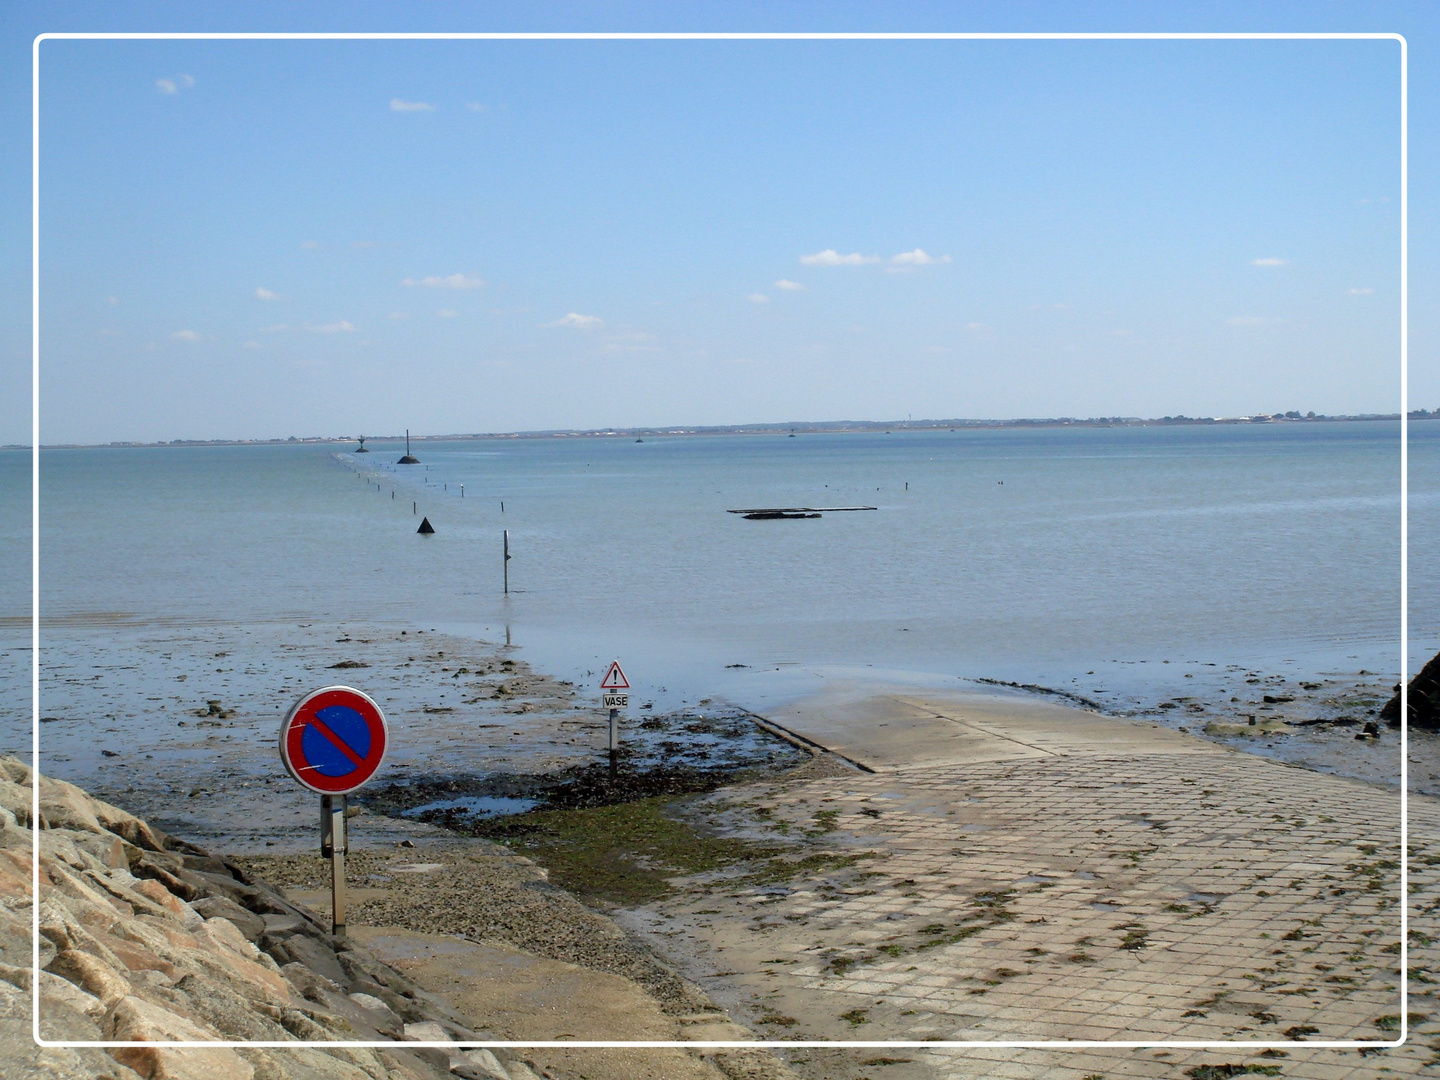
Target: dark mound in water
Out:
[1424,699]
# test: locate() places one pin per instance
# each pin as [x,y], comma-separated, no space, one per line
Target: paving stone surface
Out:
[1076,889]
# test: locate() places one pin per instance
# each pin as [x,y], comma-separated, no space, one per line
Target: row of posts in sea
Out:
[426,529]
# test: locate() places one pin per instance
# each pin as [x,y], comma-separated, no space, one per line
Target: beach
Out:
[871,861]
[1041,799]
[980,867]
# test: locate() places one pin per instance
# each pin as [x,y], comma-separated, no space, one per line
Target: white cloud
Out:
[396,105]
[758,298]
[580,322]
[785,285]
[252,345]
[185,335]
[979,327]
[166,86]
[831,257]
[918,257]
[341,327]
[450,281]
[1270,261]
[1362,292]
[399,315]
[310,245]
[262,293]
[477,106]
[446,313]
[113,301]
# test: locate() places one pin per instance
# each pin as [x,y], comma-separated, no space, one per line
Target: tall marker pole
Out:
[505,562]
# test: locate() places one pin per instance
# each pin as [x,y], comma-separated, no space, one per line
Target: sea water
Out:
[1018,553]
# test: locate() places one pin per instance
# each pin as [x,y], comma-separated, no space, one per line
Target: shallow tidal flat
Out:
[1007,868]
[183,725]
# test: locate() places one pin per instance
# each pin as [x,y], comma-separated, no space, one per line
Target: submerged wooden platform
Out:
[771,513]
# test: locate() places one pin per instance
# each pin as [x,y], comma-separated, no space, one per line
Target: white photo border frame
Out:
[1025,1044]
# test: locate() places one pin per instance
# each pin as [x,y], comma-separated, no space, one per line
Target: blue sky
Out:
[259,239]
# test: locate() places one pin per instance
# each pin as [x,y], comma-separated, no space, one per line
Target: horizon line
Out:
[808,426]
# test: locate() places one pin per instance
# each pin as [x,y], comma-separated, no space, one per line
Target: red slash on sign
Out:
[614,678]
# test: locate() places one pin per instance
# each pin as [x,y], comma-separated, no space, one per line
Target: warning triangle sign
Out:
[615,678]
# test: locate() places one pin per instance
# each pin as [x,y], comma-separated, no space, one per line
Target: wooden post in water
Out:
[505,562]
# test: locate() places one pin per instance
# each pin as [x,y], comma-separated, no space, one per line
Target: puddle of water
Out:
[477,806]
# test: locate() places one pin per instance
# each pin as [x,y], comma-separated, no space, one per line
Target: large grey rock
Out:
[134,1020]
[360,965]
[15,940]
[302,949]
[306,981]
[281,925]
[21,1059]
[225,1011]
[67,993]
[92,974]
[301,1063]
[222,907]
[486,1063]
[368,1025]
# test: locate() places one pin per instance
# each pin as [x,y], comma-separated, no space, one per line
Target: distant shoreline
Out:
[808,427]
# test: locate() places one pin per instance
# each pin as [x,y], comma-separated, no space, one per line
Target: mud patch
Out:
[611,835]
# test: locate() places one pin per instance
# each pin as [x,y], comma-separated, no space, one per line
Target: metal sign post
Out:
[614,698]
[332,742]
[335,845]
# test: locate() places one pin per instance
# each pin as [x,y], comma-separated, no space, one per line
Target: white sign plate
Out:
[615,701]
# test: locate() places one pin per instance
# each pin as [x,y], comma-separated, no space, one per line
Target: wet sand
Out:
[183,725]
[180,724]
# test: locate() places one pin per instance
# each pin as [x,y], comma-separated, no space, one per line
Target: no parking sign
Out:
[334,740]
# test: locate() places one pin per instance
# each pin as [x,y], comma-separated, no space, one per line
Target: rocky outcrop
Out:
[1424,703]
[149,940]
